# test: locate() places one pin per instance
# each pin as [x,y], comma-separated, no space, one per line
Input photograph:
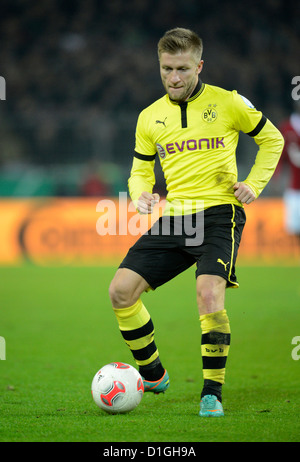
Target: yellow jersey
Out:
[196,144]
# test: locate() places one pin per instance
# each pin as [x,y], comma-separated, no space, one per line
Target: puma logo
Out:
[222,263]
[163,122]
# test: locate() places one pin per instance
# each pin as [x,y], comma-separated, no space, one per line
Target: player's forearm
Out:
[270,142]
[141,179]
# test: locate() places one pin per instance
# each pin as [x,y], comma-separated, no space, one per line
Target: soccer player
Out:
[194,131]
[290,129]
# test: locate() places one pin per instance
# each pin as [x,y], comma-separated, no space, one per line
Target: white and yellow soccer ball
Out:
[117,388]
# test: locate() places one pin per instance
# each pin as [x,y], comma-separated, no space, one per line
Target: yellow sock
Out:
[138,332]
[214,346]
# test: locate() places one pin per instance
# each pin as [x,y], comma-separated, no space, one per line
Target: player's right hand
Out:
[146,202]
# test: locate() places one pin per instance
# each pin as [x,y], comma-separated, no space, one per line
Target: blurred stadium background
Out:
[77,74]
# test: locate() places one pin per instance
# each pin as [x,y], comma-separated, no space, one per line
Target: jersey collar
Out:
[198,90]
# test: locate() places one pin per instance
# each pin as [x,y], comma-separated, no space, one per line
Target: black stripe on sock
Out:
[215,338]
[153,371]
[138,333]
[214,362]
[211,387]
[144,353]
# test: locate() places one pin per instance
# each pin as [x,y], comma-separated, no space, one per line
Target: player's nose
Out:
[174,78]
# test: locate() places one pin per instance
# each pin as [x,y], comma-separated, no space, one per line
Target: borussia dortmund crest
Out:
[210,114]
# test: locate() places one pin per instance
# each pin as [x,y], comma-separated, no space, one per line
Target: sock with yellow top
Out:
[137,329]
[215,344]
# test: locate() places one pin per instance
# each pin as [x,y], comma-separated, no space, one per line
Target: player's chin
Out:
[176,96]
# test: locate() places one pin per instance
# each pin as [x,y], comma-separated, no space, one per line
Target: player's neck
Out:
[196,89]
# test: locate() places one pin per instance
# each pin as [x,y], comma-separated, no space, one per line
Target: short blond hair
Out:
[180,40]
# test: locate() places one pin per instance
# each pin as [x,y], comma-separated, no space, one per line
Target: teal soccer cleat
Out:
[158,386]
[210,406]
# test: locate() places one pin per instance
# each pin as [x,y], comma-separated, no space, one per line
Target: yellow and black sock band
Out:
[215,344]
[137,330]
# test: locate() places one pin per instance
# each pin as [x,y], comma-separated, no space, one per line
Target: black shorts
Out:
[170,247]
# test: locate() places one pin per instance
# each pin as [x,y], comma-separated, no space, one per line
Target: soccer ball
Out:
[117,388]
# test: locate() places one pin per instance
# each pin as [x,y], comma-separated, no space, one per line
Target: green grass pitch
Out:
[59,330]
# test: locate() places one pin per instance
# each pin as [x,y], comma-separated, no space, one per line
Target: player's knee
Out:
[210,294]
[117,294]
[120,294]
[207,297]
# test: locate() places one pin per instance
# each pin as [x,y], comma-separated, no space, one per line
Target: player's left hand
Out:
[243,193]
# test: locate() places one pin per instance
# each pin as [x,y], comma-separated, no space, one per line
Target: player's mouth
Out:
[176,91]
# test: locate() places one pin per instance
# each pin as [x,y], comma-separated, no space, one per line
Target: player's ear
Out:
[200,66]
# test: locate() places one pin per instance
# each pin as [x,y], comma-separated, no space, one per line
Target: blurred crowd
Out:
[78,72]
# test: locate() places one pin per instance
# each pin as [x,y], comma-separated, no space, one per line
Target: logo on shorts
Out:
[210,114]
[222,263]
